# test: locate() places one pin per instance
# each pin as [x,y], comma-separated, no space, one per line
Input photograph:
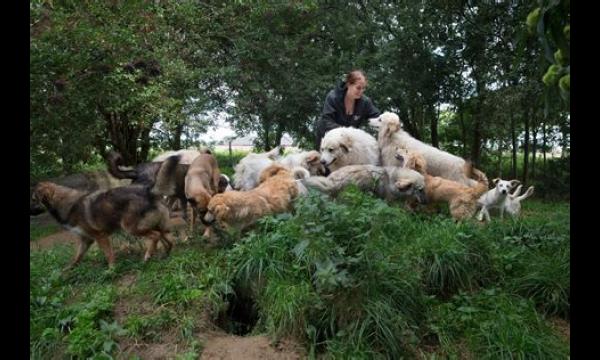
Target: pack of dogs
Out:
[393,166]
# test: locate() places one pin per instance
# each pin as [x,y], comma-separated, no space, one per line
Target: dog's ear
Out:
[495,181]
[346,144]
[514,183]
[403,184]
[391,128]
[400,158]
[313,157]
[418,164]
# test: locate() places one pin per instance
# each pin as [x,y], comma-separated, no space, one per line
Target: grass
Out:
[39,231]
[351,278]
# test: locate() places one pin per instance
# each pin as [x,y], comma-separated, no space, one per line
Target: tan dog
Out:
[94,216]
[202,181]
[239,209]
[461,199]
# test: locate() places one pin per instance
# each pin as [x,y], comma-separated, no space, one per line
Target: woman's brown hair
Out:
[354,75]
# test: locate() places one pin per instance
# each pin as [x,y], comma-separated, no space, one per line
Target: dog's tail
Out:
[472,173]
[114,161]
[165,183]
[276,152]
[527,194]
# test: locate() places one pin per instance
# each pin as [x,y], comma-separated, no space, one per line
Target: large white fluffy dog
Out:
[348,146]
[391,136]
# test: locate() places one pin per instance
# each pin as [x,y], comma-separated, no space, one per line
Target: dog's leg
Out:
[167,243]
[83,244]
[104,244]
[501,210]
[152,241]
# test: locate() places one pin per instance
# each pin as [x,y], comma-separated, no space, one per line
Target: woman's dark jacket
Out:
[334,112]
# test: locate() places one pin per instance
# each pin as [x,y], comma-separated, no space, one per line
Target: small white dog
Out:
[348,146]
[495,198]
[391,136]
[512,204]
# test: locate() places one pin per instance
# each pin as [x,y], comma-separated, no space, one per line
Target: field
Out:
[351,278]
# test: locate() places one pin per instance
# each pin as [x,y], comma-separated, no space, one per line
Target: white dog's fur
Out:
[439,163]
[512,204]
[187,155]
[390,183]
[348,146]
[302,164]
[495,198]
[248,170]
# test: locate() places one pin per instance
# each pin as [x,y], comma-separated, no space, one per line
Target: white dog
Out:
[302,164]
[390,183]
[248,170]
[391,136]
[348,146]
[310,160]
[512,204]
[495,198]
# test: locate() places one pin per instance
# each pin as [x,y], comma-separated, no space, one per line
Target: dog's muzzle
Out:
[207,218]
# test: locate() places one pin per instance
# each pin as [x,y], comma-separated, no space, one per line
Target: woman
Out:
[346,106]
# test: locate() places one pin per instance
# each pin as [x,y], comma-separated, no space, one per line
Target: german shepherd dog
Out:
[147,174]
[94,216]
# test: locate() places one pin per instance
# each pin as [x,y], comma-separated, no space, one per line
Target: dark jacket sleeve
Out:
[369,111]
[328,114]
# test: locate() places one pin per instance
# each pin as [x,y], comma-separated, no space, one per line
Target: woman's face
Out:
[356,90]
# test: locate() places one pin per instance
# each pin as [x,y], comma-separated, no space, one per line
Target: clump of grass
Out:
[495,325]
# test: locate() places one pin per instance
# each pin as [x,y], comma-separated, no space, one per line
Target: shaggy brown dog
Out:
[94,216]
[239,209]
[201,183]
[461,199]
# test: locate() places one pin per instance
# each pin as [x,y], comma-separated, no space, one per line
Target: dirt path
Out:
[219,346]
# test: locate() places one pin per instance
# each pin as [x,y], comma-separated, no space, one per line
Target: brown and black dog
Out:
[94,216]
[202,181]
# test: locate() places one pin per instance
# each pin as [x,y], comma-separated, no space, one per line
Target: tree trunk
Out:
[145,144]
[499,164]
[526,148]
[544,144]
[434,129]
[463,129]
[176,141]
[534,148]
[513,135]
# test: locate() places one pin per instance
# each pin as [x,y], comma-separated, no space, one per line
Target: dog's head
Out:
[42,196]
[200,201]
[406,183]
[503,187]
[224,184]
[411,160]
[387,123]
[313,163]
[333,148]
[273,170]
